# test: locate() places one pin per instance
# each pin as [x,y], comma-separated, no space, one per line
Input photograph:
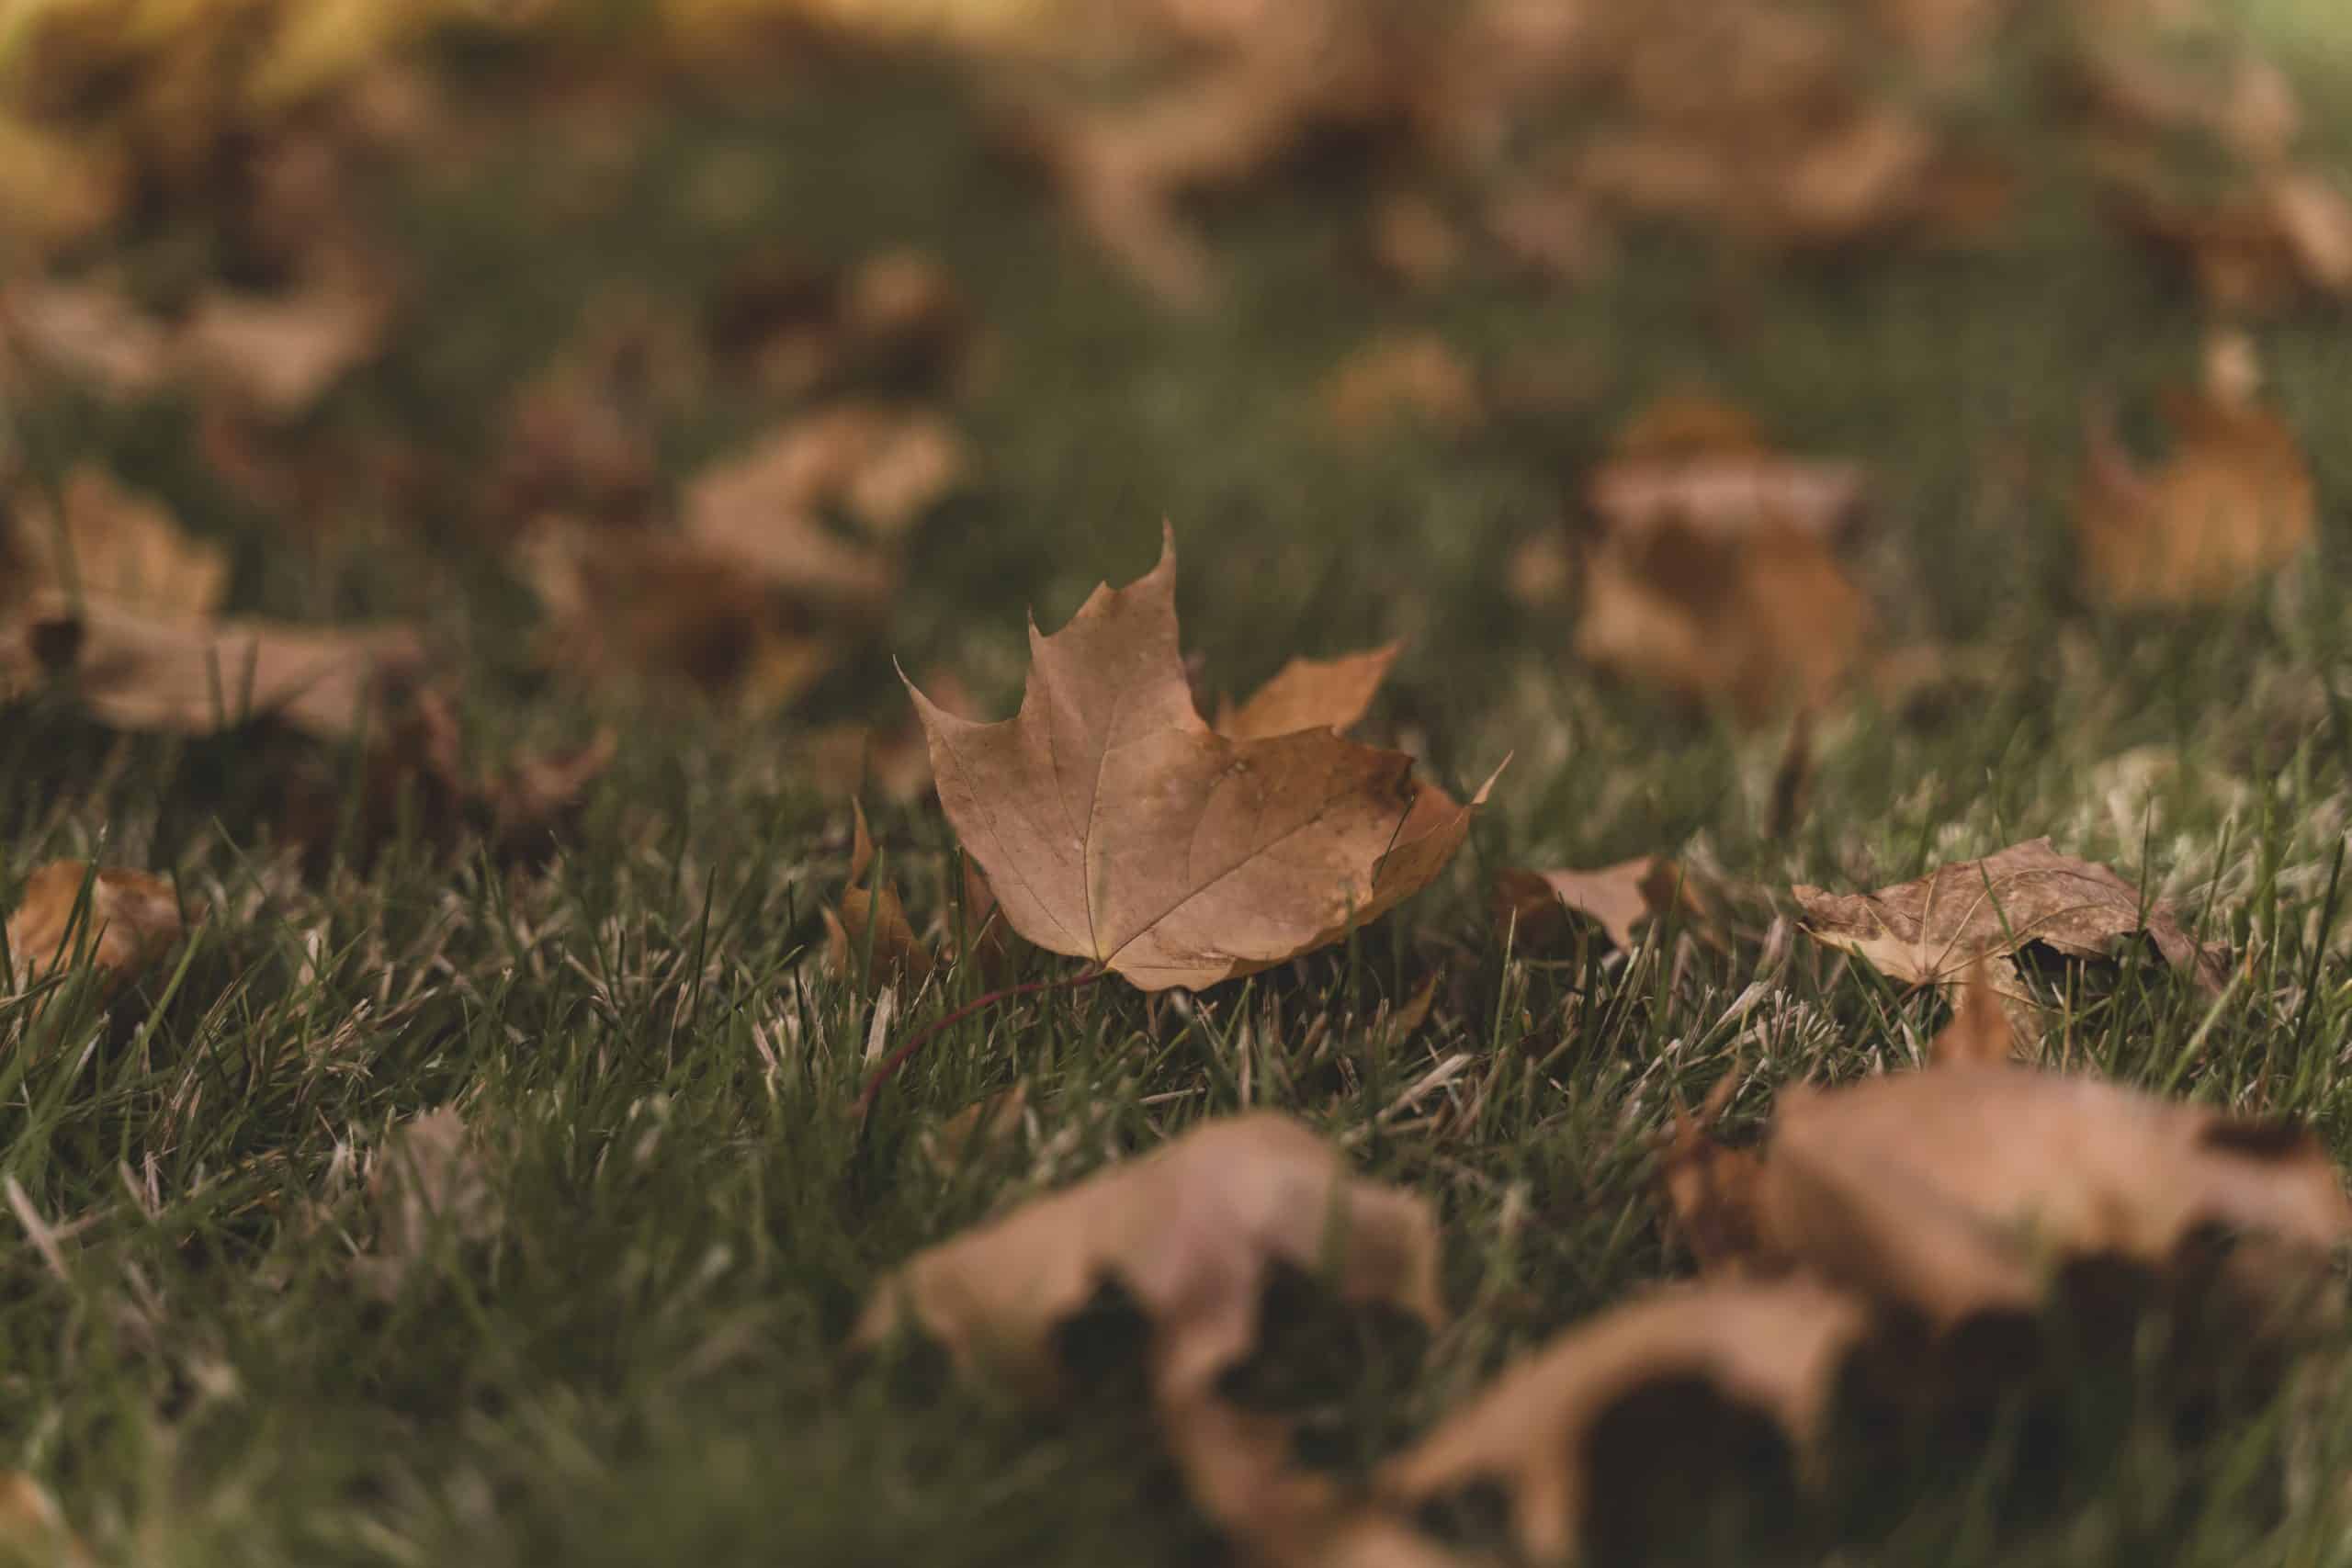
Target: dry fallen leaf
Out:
[1418,378]
[1979,1031]
[1959,1190]
[190,676]
[885,467]
[637,606]
[2284,239]
[1771,1348]
[1310,693]
[280,354]
[416,774]
[1117,827]
[128,921]
[1934,930]
[1617,897]
[32,1526]
[88,331]
[2233,502]
[869,933]
[1193,1234]
[116,545]
[427,1187]
[1713,574]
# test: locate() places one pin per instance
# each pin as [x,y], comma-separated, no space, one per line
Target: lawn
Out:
[646,1356]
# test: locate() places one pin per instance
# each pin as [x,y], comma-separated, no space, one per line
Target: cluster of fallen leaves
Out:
[1707,564]
[1883,1235]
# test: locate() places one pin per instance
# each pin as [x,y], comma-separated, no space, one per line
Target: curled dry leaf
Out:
[1713,574]
[428,1188]
[189,676]
[869,933]
[1617,898]
[1310,693]
[2233,502]
[1961,1189]
[1934,930]
[1773,1348]
[1115,826]
[127,921]
[1193,1234]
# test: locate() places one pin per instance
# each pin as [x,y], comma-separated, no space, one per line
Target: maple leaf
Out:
[1934,930]
[2234,501]
[1539,1428]
[1117,826]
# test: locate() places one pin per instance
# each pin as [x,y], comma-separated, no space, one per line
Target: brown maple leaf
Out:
[2234,502]
[1934,930]
[2283,239]
[127,920]
[1117,826]
[1538,1430]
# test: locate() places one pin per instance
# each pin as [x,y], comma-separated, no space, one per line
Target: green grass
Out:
[648,1363]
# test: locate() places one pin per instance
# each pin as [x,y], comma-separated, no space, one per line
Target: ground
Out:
[647,1363]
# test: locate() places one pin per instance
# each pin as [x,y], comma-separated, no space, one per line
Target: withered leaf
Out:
[2234,502]
[1115,826]
[115,545]
[128,921]
[2284,240]
[1713,575]
[1979,1030]
[1192,1234]
[1959,1190]
[282,354]
[1774,1348]
[1617,897]
[1310,693]
[88,331]
[32,1526]
[886,468]
[1394,380]
[417,770]
[189,676]
[1932,930]
[871,928]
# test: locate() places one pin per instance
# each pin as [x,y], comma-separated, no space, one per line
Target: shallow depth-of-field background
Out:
[642,1357]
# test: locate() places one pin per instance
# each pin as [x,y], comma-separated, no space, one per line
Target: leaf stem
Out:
[915,1041]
